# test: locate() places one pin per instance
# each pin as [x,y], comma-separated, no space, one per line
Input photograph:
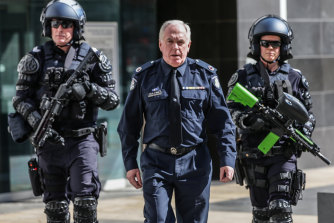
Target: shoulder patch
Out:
[104,63]
[133,84]
[144,67]
[205,66]
[233,80]
[305,82]
[215,81]
[28,65]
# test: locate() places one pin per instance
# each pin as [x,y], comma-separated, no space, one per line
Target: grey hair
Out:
[174,22]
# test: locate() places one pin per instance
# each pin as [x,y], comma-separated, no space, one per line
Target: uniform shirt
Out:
[202,104]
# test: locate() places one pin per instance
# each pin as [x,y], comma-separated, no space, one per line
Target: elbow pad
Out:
[29,113]
[107,100]
[111,102]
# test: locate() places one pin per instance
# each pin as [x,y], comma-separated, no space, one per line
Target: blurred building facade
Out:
[219,37]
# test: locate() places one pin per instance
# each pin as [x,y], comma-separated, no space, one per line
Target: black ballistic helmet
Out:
[66,10]
[270,25]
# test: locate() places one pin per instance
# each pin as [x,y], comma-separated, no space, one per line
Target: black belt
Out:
[78,132]
[171,150]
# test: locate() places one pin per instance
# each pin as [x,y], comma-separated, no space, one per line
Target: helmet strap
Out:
[67,44]
[270,62]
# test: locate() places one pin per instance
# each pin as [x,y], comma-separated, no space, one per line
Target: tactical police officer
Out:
[177,97]
[68,167]
[273,179]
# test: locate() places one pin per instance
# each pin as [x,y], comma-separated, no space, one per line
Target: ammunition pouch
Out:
[19,129]
[35,177]
[101,137]
[297,186]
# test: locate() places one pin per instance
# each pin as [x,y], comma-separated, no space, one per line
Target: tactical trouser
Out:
[274,180]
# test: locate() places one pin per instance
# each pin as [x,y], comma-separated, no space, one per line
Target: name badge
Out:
[154,93]
[194,88]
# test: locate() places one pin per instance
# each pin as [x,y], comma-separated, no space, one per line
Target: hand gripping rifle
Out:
[56,104]
[288,110]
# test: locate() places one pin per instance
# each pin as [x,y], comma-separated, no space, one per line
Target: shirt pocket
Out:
[156,104]
[193,103]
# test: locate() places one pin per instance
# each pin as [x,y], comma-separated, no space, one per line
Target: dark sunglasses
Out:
[267,43]
[65,24]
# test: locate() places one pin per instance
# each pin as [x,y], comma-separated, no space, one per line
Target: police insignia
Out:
[211,68]
[104,64]
[305,82]
[216,82]
[28,65]
[233,80]
[138,69]
[133,84]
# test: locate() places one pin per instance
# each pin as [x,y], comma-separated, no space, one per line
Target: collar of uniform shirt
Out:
[166,68]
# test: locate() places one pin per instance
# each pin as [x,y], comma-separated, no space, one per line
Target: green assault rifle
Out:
[288,110]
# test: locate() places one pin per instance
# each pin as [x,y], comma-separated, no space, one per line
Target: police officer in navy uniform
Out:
[178,99]
[271,178]
[69,168]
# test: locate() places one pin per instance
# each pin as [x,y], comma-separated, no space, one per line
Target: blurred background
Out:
[127,31]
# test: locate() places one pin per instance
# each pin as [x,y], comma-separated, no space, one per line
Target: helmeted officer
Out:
[272,178]
[69,171]
[177,97]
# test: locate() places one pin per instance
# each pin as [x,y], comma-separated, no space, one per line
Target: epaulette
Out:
[36,49]
[298,71]
[206,66]
[144,67]
[249,68]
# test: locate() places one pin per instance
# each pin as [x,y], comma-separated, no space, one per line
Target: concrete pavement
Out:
[228,203]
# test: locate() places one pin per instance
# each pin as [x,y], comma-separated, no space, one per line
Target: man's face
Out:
[270,50]
[174,45]
[62,31]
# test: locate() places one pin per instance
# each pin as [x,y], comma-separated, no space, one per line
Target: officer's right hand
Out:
[55,138]
[254,121]
[134,178]
[80,90]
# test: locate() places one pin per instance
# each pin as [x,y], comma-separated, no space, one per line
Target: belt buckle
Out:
[173,150]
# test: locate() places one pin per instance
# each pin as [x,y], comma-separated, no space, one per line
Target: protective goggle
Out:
[64,23]
[267,43]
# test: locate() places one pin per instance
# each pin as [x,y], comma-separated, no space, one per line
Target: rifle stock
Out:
[282,123]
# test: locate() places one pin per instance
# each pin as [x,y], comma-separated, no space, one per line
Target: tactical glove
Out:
[80,90]
[252,121]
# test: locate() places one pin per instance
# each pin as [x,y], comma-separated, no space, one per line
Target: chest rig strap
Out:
[283,86]
[80,55]
[269,94]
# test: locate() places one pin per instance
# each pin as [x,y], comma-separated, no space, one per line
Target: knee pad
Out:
[57,212]
[85,210]
[260,215]
[280,211]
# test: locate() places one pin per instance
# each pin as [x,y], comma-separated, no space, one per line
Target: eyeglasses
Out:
[65,24]
[267,43]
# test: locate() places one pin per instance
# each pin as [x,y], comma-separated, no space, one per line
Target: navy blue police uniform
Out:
[68,171]
[186,169]
[269,177]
